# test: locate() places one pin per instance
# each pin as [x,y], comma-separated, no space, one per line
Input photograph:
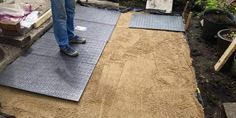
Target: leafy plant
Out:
[230,35]
[220,4]
[212,4]
[227,7]
[198,2]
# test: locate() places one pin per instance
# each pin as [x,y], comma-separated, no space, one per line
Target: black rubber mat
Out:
[89,53]
[161,22]
[49,76]
[44,70]
[94,30]
[97,15]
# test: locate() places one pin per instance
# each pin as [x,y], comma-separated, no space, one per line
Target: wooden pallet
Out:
[24,38]
[18,41]
[12,52]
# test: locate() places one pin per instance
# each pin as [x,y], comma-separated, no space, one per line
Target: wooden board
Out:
[18,41]
[229,51]
[160,5]
[188,21]
[43,18]
[230,110]
[185,9]
[10,26]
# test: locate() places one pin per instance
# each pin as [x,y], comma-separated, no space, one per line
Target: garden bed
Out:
[216,88]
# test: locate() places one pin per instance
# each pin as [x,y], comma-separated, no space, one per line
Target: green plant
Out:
[230,35]
[221,4]
[198,2]
[212,4]
[227,7]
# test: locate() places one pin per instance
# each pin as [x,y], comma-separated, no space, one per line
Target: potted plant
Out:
[218,15]
[225,37]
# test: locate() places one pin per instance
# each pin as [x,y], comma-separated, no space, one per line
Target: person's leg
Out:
[70,11]
[60,27]
[59,22]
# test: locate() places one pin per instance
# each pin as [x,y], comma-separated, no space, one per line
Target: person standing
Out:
[63,12]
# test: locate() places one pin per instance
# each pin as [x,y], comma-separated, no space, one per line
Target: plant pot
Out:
[215,20]
[222,44]
[233,68]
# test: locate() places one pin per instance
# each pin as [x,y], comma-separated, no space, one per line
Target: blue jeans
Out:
[63,12]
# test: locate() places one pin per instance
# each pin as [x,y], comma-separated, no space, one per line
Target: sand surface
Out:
[141,74]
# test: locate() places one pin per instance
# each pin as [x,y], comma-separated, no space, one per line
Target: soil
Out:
[133,3]
[216,88]
[141,74]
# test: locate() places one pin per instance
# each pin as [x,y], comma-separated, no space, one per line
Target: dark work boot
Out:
[77,40]
[68,50]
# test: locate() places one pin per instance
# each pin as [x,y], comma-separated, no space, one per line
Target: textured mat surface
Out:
[95,31]
[162,22]
[47,75]
[89,53]
[96,15]
[44,70]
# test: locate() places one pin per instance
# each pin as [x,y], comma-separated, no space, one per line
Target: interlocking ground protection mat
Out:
[161,22]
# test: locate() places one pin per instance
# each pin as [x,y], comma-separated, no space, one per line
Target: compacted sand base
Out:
[141,74]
